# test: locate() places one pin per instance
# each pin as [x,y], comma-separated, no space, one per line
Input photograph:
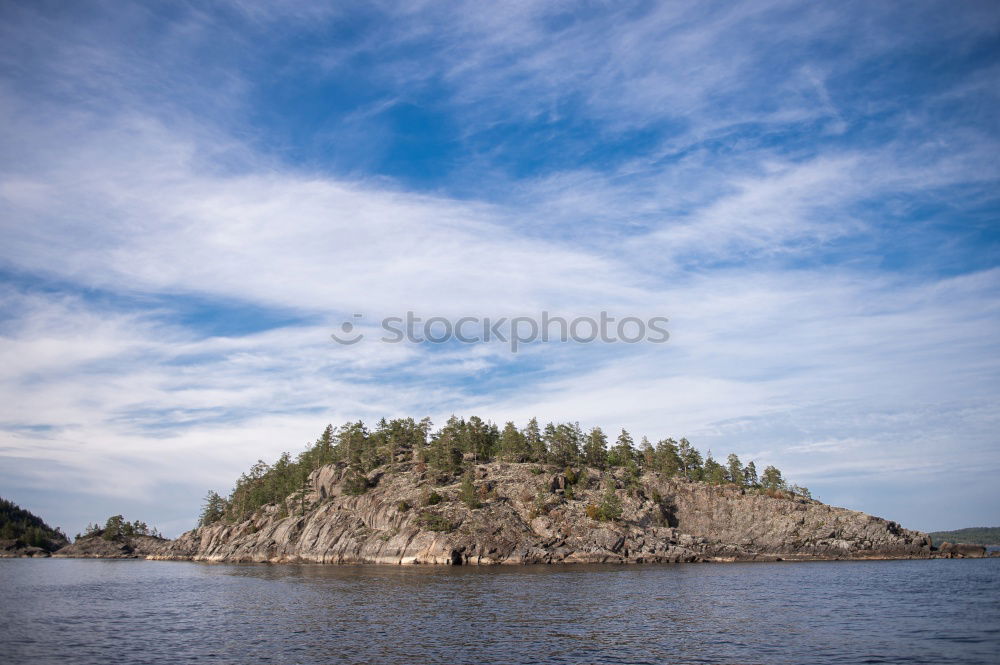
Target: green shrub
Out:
[468,492]
[433,499]
[435,522]
[611,506]
[355,484]
[541,505]
[403,506]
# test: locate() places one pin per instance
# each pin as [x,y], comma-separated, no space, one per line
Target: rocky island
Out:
[471,493]
[521,516]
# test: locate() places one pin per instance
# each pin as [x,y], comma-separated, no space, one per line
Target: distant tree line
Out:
[462,442]
[21,525]
[978,535]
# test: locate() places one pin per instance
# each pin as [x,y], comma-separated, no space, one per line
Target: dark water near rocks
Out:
[91,611]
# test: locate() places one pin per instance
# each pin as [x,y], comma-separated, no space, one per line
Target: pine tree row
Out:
[460,442]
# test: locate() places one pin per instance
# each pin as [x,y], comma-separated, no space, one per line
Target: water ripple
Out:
[86,611]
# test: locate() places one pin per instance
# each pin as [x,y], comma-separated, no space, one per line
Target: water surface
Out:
[95,611]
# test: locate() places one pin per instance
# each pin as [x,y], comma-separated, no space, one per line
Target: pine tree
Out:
[632,476]
[734,470]
[304,488]
[548,441]
[647,454]
[445,450]
[564,444]
[595,451]
[353,443]
[482,437]
[213,510]
[533,438]
[325,447]
[623,450]
[384,443]
[668,461]
[468,491]
[574,442]
[691,463]
[114,528]
[421,436]
[713,472]
[513,446]
[771,479]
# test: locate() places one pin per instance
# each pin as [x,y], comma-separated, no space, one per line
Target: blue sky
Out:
[193,196]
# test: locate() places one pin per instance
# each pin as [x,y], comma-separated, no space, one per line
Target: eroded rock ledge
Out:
[531,515]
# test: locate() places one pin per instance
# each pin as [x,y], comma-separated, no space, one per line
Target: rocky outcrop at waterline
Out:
[523,514]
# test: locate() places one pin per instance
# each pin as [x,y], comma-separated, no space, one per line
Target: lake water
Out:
[94,611]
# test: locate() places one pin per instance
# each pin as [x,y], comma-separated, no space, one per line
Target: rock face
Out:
[529,515]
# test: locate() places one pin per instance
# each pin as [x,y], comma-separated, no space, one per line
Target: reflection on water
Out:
[167,612]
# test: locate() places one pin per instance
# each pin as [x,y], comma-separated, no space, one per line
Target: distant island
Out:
[977,535]
[25,534]
[474,493]
[117,539]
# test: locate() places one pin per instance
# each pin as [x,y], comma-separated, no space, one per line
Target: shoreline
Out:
[141,551]
[787,558]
